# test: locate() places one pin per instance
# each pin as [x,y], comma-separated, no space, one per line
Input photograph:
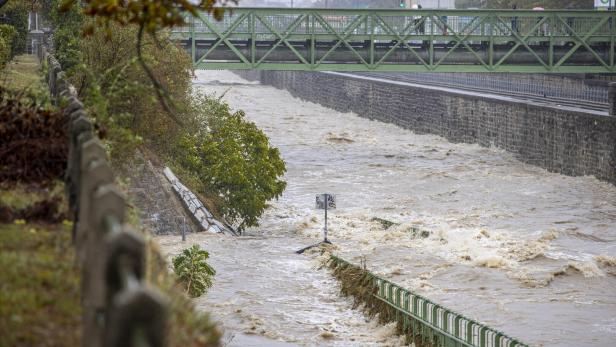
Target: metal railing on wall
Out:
[508,83]
[428,323]
[119,309]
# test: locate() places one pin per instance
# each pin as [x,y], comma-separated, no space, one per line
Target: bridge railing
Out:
[431,40]
[435,22]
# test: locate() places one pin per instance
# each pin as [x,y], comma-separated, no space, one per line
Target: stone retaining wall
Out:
[567,141]
[159,212]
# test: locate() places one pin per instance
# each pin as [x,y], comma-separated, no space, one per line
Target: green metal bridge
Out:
[403,40]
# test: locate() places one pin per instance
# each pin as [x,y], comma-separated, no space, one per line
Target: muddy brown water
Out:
[526,251]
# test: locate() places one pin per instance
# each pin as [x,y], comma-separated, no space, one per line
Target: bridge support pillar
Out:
[612,98]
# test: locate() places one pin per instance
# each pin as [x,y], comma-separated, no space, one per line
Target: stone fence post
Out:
[119,308]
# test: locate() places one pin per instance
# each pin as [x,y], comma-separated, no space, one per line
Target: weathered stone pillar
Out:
[612,98]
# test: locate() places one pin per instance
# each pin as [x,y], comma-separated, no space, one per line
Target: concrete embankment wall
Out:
[566,141]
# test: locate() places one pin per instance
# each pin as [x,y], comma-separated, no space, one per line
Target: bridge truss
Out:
[403,40]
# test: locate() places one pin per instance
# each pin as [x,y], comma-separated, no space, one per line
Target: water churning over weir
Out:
[523,250]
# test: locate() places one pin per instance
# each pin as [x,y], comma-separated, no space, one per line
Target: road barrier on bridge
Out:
[424,322]
[119,309]
[403,40]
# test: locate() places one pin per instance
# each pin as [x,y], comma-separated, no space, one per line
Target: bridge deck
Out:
[403,40]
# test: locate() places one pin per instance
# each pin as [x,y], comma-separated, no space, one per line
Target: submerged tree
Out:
[193,271]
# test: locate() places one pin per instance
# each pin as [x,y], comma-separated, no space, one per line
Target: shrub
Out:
[17,16]
[7,33]
[193,271]
[33,146]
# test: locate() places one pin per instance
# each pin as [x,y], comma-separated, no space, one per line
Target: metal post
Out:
[183,228]
[193,46]
[325,196]
[611,95]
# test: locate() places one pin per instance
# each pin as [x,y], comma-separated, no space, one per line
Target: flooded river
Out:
[528,252]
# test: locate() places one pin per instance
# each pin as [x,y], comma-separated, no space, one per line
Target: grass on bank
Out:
[23,74]
[40,287]
[357,282]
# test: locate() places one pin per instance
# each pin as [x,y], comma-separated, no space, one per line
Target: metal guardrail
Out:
[119,309]
[430,323]
[506,83]
[403,40]
[612,99]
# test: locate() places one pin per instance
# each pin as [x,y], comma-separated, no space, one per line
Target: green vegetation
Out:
[22,75]
[187,325]
[357,282]
[193,271]
[39,286]
[16,13]
[217,152]
[39,283]
[234,160]
[7,33]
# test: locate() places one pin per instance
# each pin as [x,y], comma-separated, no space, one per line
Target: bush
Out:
[118,92]
[234,161]
[33,146]
[193,271]
[7,33]
[17,16]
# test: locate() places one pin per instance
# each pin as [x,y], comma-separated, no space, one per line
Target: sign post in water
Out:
[323,202]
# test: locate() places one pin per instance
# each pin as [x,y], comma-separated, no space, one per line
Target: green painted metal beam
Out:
[438,326]
[403,40]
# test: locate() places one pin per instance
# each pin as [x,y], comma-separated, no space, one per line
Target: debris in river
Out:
[342,138]
[386,224]
[606,260]
[607,263]
[327,335]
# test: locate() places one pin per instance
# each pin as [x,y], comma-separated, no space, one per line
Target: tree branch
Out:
[161,93]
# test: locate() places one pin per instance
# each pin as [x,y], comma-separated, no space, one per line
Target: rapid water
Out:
[526,251]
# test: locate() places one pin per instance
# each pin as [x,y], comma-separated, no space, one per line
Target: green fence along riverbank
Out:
[423,322]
